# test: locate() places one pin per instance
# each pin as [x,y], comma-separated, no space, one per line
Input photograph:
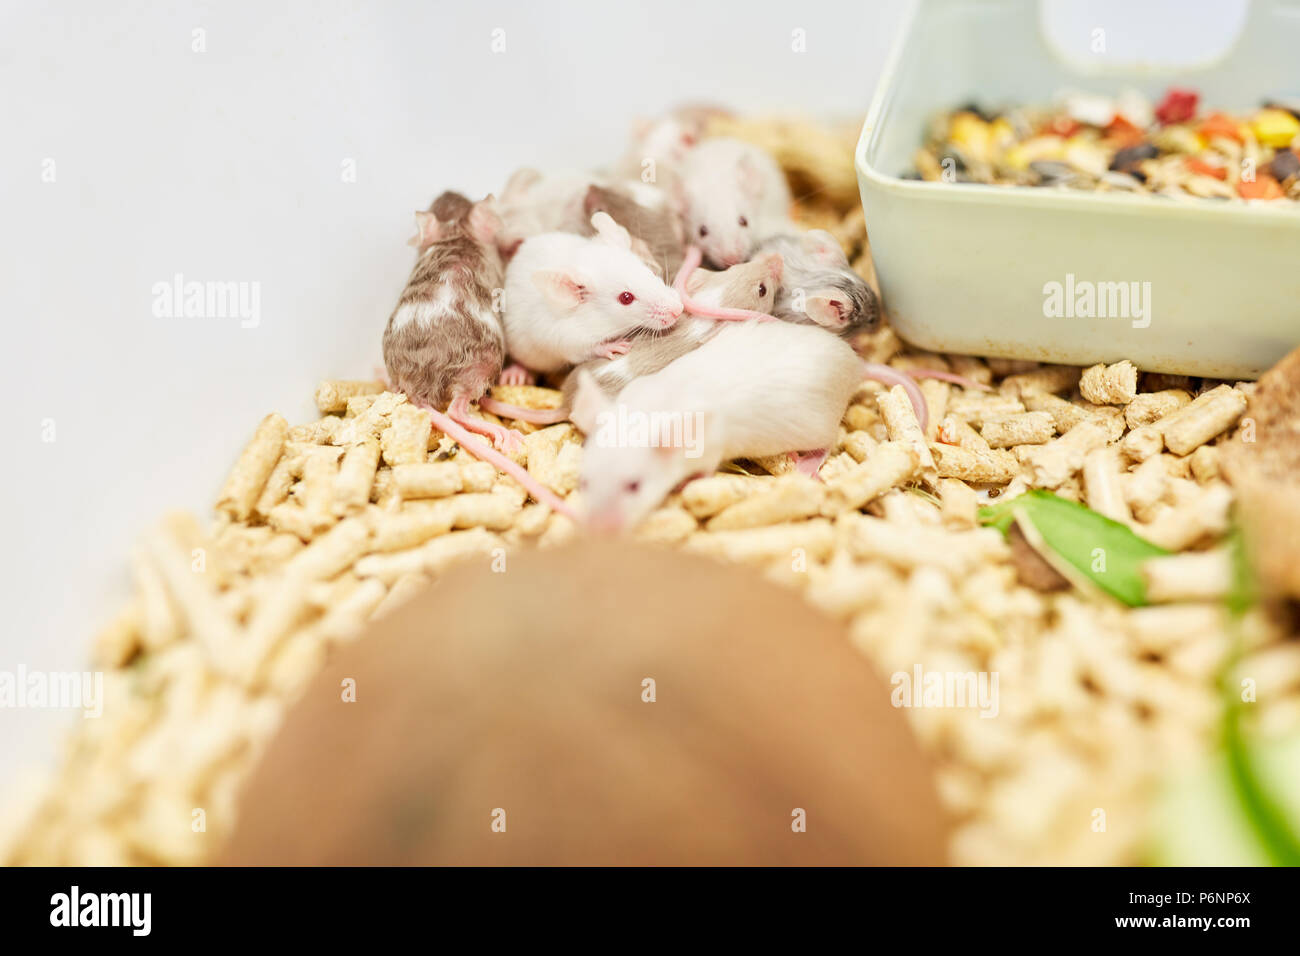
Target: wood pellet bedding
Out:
[323,526]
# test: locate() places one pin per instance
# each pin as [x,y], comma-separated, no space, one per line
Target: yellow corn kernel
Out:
[1274,127]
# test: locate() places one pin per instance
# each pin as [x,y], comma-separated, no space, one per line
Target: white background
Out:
[226,165]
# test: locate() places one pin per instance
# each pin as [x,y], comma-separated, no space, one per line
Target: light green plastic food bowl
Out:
[963,268]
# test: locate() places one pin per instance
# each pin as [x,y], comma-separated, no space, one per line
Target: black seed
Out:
[1052,172]
[973,107]
[1285,164]
[1133,155]
[955,156]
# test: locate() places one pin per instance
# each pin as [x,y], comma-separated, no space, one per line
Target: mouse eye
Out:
[632,487]
[627,298]
[704,231]
[762,289]
[743,221]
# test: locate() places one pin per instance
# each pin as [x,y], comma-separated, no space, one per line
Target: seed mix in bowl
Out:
[1175,148]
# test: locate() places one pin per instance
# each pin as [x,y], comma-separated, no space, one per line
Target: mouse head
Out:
[625,473]
[452,215]
[753,285]
[847,305]
[607,287]
[723,222]
[665,140]
[838,298]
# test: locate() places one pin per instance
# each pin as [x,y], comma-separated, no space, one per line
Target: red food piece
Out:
[1264,187]
[1202,168]
[1178,106]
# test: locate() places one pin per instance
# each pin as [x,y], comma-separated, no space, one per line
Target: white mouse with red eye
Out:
[570,298]
[733,194]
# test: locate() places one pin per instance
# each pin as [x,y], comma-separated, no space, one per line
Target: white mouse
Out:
[733,195]
[570,298]
[750,285]
[753,389]
[532,204]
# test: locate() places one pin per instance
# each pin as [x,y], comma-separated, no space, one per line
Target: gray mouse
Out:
[820,286]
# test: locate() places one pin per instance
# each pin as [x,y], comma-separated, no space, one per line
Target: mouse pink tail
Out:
[692,262]
[890,376]
[485,452]
[955,379]
[534,416]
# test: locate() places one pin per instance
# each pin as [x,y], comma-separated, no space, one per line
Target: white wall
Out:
[226,165]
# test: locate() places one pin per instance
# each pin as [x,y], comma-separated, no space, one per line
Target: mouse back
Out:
[649,352]
[650,218]
[444,338]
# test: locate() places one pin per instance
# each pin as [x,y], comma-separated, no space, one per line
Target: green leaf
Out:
[1241,594]
[1105,551]
[1269,808]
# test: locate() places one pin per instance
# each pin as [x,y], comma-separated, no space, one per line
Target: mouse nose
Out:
[604,522]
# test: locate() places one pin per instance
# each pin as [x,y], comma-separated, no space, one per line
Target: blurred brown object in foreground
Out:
[1262,462]
[522,692]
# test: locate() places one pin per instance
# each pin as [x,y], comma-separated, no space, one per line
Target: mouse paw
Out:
[505,439]
[516,374]
[613,349]
[809,462]
[509,440]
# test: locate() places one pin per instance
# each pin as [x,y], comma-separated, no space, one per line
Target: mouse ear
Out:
[829,308]
[484,223]
[562,289]
[520,181]
[427,229]
[594,201]
[820,243]
[774,265]
[589,400]
[610,231]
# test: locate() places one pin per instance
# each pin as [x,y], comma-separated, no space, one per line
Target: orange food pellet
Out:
[1264,187]
[1202,168]
[1122,133]
[1220,124]
[1065,126]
